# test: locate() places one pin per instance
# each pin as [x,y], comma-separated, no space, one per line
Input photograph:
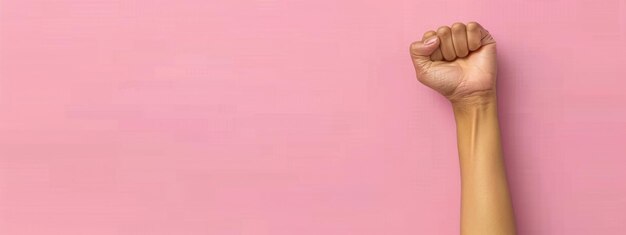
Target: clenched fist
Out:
[458,61]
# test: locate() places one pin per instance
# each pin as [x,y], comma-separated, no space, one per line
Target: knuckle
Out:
[412,46]
[429,33]
[458,25]
[473,26]
[443,30]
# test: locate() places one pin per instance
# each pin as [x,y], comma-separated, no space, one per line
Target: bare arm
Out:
[485,200]
[460,63]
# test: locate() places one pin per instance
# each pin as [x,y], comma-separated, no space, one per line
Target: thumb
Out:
[421,50]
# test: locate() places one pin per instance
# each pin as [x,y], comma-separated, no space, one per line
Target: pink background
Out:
[297,117]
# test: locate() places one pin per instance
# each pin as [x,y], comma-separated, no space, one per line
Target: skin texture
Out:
[459,61]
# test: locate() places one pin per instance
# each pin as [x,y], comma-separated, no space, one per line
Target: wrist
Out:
[477,100]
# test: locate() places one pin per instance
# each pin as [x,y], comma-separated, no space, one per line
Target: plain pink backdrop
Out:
[297,117]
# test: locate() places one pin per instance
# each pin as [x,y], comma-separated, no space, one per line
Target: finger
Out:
[473,36]
[436,55]
[477,36]
[424,48]
[487,38]
[421,52]
[459,38]
[447,47]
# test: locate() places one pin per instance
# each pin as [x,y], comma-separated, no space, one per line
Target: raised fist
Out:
[458,62]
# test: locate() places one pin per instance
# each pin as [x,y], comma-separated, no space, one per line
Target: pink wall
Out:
[297,117]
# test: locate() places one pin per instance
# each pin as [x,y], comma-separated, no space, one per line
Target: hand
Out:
[458,62]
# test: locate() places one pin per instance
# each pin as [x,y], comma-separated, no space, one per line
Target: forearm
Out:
[485,201]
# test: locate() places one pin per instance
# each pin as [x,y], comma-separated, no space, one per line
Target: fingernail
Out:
[430,41]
